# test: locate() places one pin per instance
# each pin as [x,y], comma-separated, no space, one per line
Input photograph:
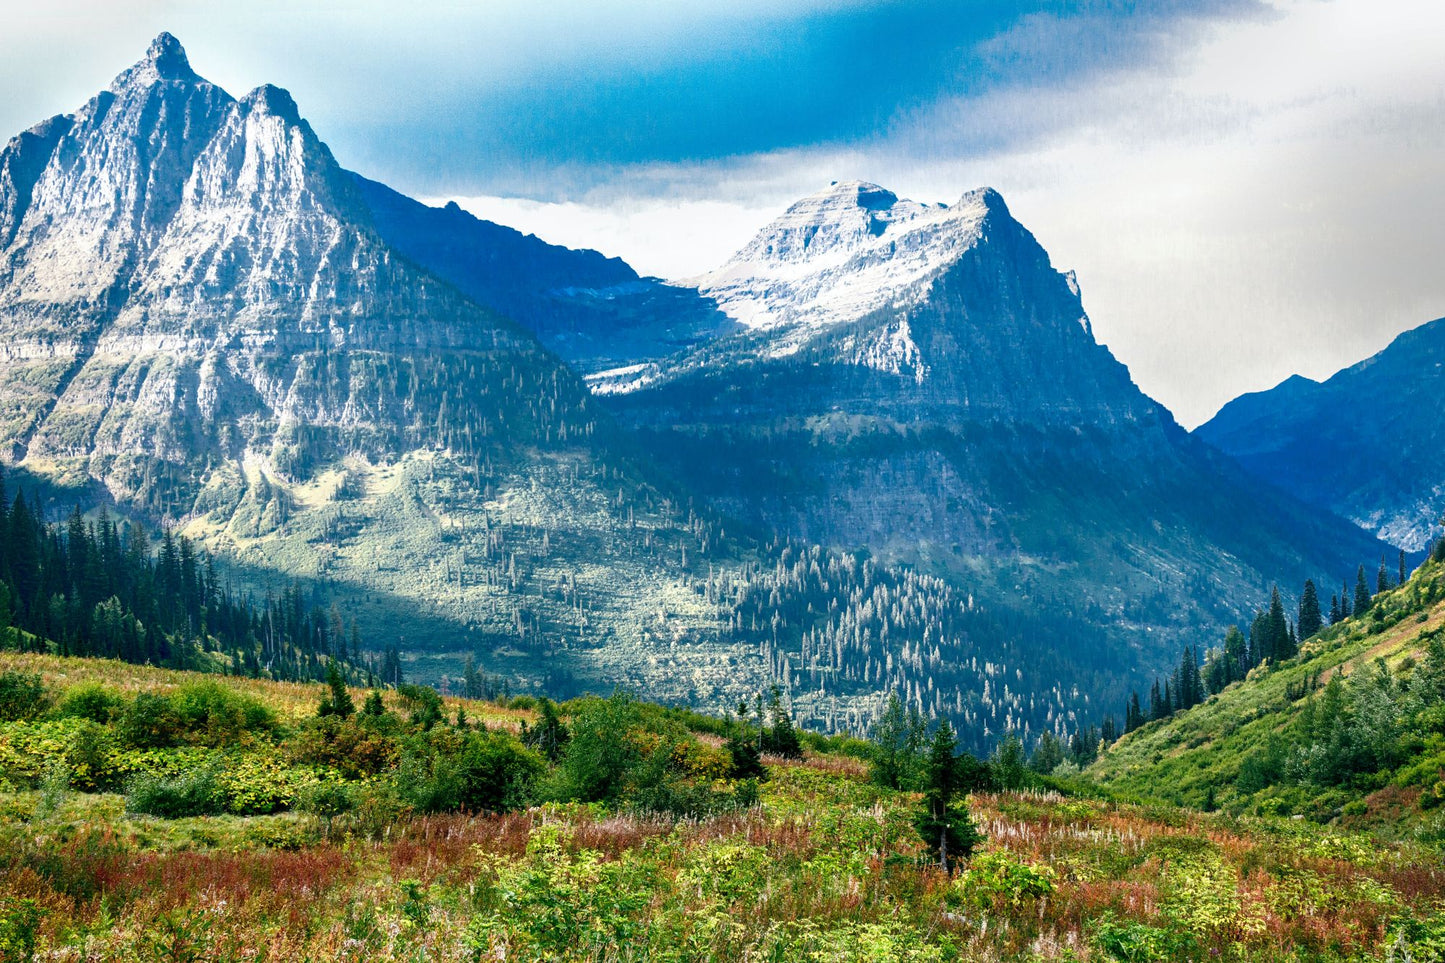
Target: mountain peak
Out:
[165,60]
[277,101]
[869,197]
[844,251]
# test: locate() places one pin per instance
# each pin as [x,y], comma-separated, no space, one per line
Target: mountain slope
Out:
[202,325]
[918,380]
[1351,727]
[1367,444]
[593,311]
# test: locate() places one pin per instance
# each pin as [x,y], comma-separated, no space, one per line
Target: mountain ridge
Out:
[1363,443]
[963,419]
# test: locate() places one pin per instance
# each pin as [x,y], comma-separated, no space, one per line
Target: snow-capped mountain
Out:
[842,253]
[1367,443]
[188,276]
[918,380]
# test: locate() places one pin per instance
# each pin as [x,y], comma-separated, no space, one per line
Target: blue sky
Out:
[1247,188]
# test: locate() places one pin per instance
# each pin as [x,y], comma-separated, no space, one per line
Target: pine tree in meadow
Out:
[337,701]
[1382,578]
[944,826]
[1335,615]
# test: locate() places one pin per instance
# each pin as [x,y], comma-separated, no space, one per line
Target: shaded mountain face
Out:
[595,312]
[919,380]
[1368,444]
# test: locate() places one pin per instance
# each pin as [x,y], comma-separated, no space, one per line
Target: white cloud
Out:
[1267,202]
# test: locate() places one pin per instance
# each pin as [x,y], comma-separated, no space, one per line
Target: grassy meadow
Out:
[316,844]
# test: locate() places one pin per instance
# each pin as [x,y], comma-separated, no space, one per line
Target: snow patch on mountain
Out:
[842,253]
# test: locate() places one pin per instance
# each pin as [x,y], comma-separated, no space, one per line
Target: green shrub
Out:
[1134,942]
[205,713]
[218,714]
[602,752]
[326,799]
[19,922]
[22,696]
[351,746]
[194,793]
[471,772]
[91,700]
[999,881]
[149,722]
[89,757]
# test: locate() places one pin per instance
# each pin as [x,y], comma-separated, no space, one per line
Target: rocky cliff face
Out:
[920,381]
[201,324]
[191,279]
[205,322]
[1367,444]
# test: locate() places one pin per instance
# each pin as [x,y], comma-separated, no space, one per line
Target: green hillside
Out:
[1351,730]
[149,814]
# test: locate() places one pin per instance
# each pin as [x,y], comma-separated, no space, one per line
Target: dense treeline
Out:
[840,624]
[101,588]
[1272,639]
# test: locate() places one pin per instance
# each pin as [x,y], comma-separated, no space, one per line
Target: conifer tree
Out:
[1133,715]
[1047,754]
[1279,645]
[338,700]
[1236,655]
[782,738]
[1382,578]
[1362,594]
[1310,618]
[943,825]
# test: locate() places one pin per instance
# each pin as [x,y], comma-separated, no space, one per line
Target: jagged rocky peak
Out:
[845,251]
[273,100]
[848,215]
[165,60]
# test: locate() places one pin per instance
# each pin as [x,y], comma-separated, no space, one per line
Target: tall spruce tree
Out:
[1311,620]
[1279,644]
[1362,594]
[1133,714]
[943,825]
